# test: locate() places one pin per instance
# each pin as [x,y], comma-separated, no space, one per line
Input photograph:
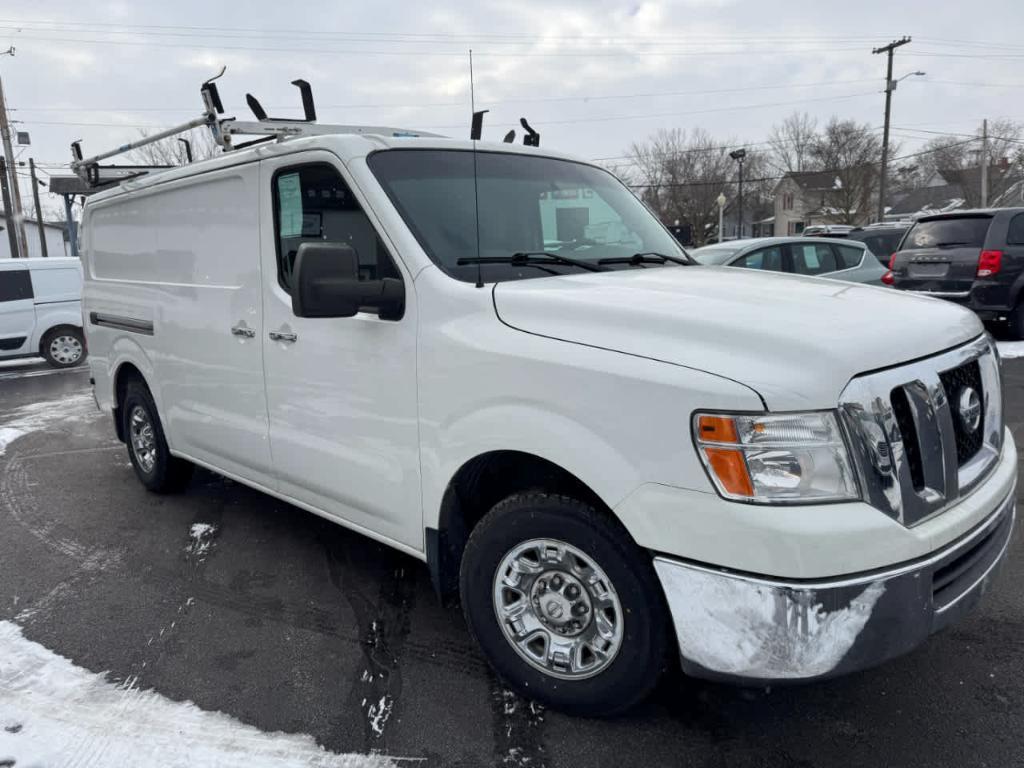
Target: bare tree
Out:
[791,143]
[853,154]
[682,175]
[957,160]
[171,151]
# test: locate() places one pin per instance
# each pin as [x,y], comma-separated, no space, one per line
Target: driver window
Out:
[578,217]
[313,203]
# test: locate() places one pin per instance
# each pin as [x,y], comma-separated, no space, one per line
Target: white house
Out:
[55,238]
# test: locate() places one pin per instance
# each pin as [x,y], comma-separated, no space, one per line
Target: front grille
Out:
[954,382]
[909,430]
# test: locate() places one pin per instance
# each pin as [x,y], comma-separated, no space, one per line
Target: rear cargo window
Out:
[942,233]
[882,245]
[15,284]
[849,256]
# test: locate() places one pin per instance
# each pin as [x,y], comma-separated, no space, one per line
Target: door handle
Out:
[241,330]
[279,336]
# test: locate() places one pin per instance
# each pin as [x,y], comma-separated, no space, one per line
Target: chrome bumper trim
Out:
[942,294]
[740,627]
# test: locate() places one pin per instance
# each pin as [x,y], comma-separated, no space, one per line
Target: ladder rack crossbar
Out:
[152,138]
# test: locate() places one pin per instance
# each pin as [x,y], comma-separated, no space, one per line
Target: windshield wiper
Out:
[532,259]
[648,257]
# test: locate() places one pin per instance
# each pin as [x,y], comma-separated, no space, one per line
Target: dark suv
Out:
[975,258]
[881,239]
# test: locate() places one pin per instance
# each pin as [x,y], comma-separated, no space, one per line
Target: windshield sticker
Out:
[289,200]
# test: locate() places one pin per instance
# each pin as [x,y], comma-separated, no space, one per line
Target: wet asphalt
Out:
[288,622]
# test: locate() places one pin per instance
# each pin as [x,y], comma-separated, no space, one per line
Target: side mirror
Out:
[325,283]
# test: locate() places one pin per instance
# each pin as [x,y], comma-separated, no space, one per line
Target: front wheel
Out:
[565,606]
[64,347]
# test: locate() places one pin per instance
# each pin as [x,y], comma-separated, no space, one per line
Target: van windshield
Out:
[526,205]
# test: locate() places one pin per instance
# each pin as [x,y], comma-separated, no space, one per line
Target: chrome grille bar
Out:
[879,448]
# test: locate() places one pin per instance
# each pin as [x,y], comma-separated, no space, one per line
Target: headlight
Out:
[775,458]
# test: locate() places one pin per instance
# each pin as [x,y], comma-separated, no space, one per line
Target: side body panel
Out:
[171,272]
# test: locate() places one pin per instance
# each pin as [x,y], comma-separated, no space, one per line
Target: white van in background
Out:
[41,310]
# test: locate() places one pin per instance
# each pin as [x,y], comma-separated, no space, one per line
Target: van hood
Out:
[796,340]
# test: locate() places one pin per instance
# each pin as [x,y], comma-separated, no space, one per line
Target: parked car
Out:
[798,255]
[881,239]
[975,258]
[41,310]
[609,455]
[827,230]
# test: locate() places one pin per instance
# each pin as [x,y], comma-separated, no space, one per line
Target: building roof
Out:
[945,197]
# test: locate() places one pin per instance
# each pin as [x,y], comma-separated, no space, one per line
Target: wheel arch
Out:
[126,372]
[479,484]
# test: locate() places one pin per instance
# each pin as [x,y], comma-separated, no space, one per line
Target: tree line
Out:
[681,173]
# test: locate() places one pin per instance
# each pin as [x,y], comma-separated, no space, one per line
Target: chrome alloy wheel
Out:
[558,609]
[66,350]
[143,439]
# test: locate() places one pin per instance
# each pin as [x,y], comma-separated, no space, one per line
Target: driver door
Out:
[341,392]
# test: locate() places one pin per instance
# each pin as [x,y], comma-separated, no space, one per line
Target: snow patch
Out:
[200,538]
[379,713]
[53,713]
[35,417]
[1010,349]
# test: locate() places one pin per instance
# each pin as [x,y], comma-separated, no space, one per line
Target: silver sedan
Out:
[817,256]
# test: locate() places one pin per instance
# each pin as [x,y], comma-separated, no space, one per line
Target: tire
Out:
[1015,322]
[64,347]
[613,683]
[143,433]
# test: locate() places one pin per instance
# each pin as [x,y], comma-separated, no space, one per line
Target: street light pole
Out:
[738,155]
[890,86]
[721,200]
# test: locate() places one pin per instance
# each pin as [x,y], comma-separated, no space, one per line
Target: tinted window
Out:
[312,203]
[768,259]
[15,284]
[525,204]
[967,231]
[1016,234]
[882,244]
[813,259]
[848,256]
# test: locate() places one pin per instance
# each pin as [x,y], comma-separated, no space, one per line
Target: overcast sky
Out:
[590,75]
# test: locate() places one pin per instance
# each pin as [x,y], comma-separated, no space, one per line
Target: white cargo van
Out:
[41,310]
[495,359]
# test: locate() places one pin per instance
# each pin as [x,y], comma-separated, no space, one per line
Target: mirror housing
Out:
[325,283]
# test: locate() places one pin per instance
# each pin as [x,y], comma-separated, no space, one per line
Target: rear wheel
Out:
[154,465]
[565,606]
[64,347]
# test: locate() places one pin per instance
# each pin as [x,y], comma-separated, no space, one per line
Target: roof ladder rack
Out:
[224,129]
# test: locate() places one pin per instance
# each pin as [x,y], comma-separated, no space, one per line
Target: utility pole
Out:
[39,208]
[890,86]
[12,168]
[738,155]
[984,163]
[12,235]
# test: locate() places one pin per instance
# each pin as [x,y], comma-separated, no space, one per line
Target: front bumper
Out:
[737,627]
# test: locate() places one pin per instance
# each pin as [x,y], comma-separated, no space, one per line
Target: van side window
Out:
[312,203]
[15,285]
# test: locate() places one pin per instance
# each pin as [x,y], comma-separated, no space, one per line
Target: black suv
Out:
[975,258]
[881,239]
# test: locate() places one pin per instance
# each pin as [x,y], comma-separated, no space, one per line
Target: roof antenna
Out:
[478,121]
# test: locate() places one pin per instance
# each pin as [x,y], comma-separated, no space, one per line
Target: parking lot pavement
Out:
[286,622]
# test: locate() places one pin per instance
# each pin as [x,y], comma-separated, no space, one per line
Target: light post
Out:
[721,207]
[738,155]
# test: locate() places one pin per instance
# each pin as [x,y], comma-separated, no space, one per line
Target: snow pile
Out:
[1008,349]
[39,416]
[54,713]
